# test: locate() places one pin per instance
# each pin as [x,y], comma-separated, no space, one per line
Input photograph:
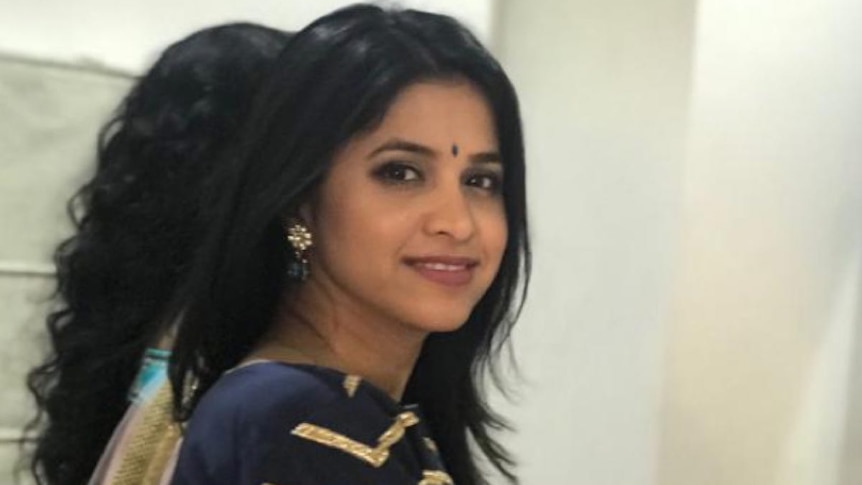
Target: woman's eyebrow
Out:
[486,157]
[402,145]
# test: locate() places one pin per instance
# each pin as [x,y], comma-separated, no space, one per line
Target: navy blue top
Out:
[286,424]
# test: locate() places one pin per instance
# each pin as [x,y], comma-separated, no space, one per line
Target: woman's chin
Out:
[442,323]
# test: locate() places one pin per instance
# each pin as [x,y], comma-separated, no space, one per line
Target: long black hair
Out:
[335,80]
[136,224]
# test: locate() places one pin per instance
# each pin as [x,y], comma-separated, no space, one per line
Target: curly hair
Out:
[137,223]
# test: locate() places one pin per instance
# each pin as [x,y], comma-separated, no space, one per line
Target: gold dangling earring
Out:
[300,240]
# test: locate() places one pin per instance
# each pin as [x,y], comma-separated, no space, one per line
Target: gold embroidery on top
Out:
[376,456]
[436,478]
[351,383]
[396,431]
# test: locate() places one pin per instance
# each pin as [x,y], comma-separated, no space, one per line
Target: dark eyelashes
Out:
[397,172]
[401,173]
[486,180]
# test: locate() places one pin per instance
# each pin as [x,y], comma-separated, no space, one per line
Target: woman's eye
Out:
[397,172]
[486,181]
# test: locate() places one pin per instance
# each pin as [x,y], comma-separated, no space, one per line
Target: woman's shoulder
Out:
[266,390]
[287,423]
[244,416]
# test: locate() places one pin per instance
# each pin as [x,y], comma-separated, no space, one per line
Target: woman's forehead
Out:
[439,114]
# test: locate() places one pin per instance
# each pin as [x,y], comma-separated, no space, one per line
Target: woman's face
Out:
[409,224]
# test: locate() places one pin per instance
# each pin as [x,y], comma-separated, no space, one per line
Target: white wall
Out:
[604,87]
[766,298]
[129,35]
[48,119]
[696,176]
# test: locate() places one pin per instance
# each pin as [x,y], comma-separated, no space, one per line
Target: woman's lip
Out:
[444,270]
[443,260]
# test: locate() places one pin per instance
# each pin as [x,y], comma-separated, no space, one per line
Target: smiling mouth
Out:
[445,270]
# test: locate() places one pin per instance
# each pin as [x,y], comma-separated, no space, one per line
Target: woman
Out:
[136,225]
[368,252]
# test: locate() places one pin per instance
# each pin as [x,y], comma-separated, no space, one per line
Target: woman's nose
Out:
[450,213]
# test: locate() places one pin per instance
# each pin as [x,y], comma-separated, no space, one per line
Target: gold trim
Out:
[163,455]
[376,456]
[351,383]
[338,441]
[396,431]
[151,442]
[436,478]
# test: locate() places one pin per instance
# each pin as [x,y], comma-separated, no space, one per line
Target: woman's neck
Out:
[381,352]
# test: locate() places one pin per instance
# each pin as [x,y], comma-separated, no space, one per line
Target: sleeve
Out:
[236,427]
[295,430]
